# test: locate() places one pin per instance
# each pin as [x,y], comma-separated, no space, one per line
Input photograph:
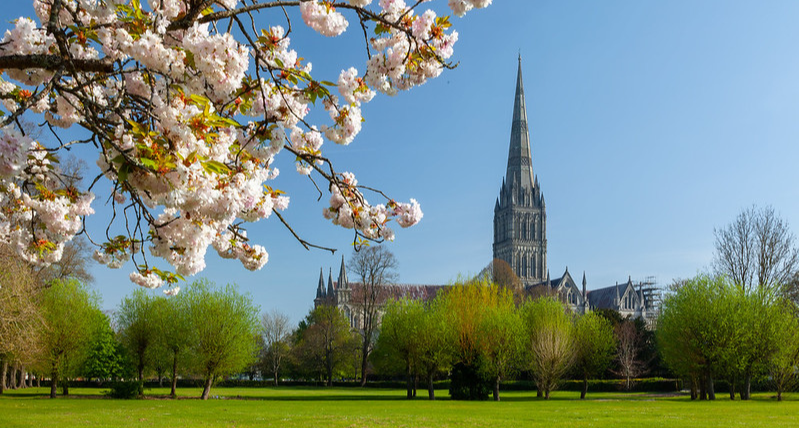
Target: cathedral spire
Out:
[520,165]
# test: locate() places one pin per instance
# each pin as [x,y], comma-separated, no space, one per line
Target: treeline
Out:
[206,332]
[480,336]
[712,328]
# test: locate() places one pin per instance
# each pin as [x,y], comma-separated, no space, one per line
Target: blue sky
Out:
[651,123]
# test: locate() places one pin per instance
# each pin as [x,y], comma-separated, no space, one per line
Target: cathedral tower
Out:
[520,219]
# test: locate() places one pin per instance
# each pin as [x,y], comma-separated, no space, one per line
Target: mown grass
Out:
[354,407]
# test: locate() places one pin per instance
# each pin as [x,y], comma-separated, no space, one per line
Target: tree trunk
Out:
[546,394]
[38,381]
[140,369]
[65,387]
[431,391]
[538,392]
[496,389]
[711,389]
[747,389]
[22,375]
[3,373]
[703,388]
[207,387]
[276,378]
[329,363]
[174,375]
[409,385]
[53,382]
[585,387]
[694,394]
[415,384]
[12,378]
[364,361]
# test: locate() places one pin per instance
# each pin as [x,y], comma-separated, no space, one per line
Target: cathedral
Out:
[520,239]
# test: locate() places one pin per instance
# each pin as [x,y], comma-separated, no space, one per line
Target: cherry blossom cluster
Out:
[349,209]
[38,214]
[188,120]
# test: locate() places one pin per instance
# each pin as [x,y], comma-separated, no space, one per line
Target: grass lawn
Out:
[355,407]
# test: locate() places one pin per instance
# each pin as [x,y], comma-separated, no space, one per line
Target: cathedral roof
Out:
[606,297]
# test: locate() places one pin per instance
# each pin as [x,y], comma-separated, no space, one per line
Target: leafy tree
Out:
[398,348]
[595,345]
[187,105]
[415,339]
[70,312]
[782,366]
[435,341]
[376,268]
[502,339]
[276,333]
[137,325]
[549,341]
[107,358]
[174,334]
[19,318]
[224,324]
[465,306]
[323,342]
[701,335]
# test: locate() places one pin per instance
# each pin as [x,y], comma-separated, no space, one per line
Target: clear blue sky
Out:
[651,123]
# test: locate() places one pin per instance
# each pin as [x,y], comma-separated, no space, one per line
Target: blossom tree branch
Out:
[187,118]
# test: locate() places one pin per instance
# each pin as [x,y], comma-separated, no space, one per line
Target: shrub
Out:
[126,390]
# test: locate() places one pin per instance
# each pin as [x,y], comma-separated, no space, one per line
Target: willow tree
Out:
[71,317]
[595,345]
[224,324]
[549,342]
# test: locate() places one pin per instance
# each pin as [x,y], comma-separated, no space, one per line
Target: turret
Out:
[585,294]
[343,283]
[320,289]
[331,288]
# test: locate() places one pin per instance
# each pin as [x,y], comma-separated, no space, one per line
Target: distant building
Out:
[344,294]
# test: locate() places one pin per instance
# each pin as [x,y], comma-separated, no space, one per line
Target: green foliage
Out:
[225,323]
[550,334]
[398,349]
[469,382]
[71,317]
[710,327]
[595,344]
[137,324]
[107,358]
[324,344]
[502,339]
[415,339]
[126,390]
[173,334]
